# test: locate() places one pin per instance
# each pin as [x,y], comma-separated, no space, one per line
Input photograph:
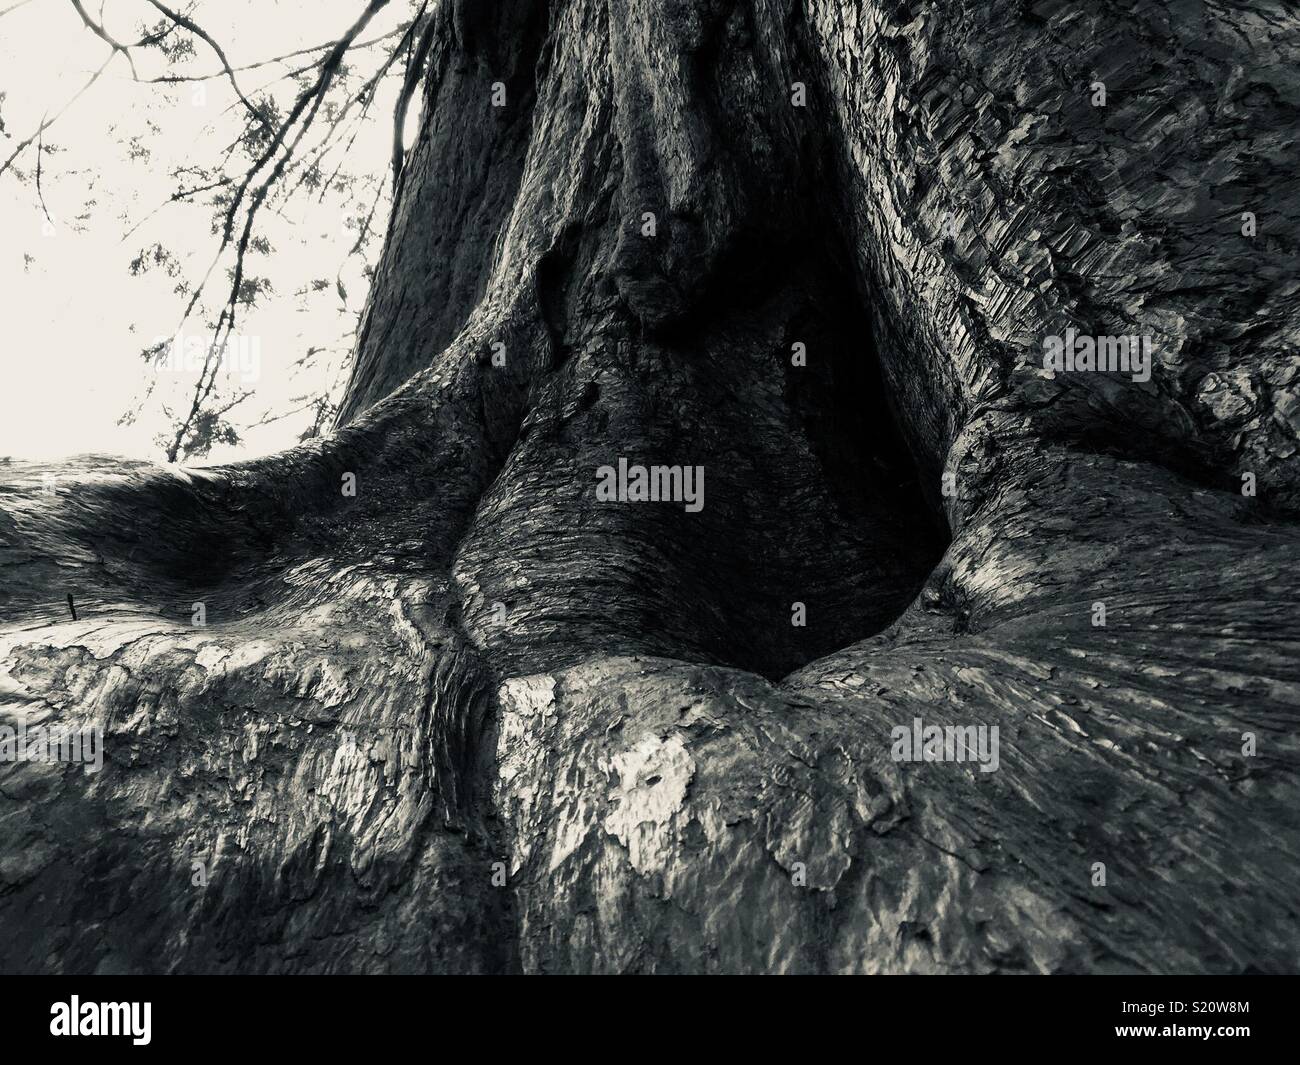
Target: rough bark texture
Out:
[673,776]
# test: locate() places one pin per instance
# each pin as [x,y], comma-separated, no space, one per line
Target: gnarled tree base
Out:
[474,719]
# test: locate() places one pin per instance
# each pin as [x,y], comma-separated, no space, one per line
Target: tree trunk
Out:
[475,718]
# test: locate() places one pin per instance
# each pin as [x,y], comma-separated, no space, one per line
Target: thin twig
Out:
[48,122]
[104,36]
[200,32]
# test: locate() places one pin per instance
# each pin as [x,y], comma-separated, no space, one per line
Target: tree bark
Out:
[475,719]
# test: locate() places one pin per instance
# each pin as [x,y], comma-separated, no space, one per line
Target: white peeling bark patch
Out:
[649,794]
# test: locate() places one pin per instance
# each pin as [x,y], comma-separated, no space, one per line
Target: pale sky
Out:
[74,320]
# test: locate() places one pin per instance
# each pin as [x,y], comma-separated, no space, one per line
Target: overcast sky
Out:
[74,319]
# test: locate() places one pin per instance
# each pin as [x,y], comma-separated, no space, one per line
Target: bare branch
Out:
[365,95]
[309,101]
[14,7]
[40,146]
[47,122]
[107,38]
[414,68]
[198,31]
[176,197]
[183,78]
